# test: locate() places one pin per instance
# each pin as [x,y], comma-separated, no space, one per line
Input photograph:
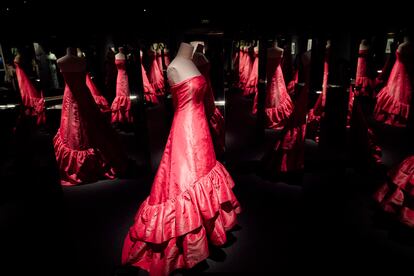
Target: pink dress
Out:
[149,91]
[364,85]
[396,194]
[32,100]
[156,74]
[278,105]
[289,151]
[191,201]
[394,100]
[86,147]
[214,117]
[96,94]
[121,106]
[251,84]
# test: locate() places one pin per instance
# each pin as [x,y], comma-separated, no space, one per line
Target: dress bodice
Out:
[189,94]
[120,64]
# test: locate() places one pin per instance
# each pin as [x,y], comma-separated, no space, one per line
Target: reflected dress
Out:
[121,106]
[86,147]
[278,105]
[96,94]
[32,100]
[191,201]
[214,117]
[394,100]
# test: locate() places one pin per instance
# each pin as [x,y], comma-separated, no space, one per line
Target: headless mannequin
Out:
[71,62]
[199,58]
[364,45]
[121,54]
[275,51]
[182,67]
[404,46]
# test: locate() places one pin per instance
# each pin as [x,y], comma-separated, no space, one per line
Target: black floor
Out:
[320,221]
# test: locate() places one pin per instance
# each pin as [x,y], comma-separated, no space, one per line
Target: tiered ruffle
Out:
[175,233]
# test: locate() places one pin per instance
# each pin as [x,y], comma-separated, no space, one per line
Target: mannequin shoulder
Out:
[71,64]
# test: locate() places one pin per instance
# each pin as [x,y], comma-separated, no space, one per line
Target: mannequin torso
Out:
[121,54]
[275,52]
[182,67]
[363,46]
[71,62]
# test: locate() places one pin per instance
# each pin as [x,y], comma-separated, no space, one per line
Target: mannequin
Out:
[71,62]
[198,57]
[51,57]
[275,51]
[363,45]
[121,54]
[182,67]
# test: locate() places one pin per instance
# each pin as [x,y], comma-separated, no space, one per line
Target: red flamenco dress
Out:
[364,85]
[149,91]
[251,84]
[278,105]
[96,94]
[121,106]
[85,145]
[191,201]
[214,117]
[394,100]
[33,100]
[396,195]
[289,151]
[156,75]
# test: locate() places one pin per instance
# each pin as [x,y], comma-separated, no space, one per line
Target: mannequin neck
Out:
[185,51]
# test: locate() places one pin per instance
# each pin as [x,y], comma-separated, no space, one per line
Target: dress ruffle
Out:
[390,111]
[397,194]
[276,117]
[80,166]
[175,233]
[35,107]
[121,110]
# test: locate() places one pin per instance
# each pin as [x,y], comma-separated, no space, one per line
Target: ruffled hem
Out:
[151,98]
[216,123]
[276,117]
[121,110]
[394,196]
[80,166]
[175,233]
[389,111]
[35,107]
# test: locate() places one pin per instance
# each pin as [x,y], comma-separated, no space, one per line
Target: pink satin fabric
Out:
[121,106]
[394,100]
[396,195]
[278,105]
[214,117]
[33,100]
[96,94]
[86,147]
[363,84]
[251,83]
[191,201]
